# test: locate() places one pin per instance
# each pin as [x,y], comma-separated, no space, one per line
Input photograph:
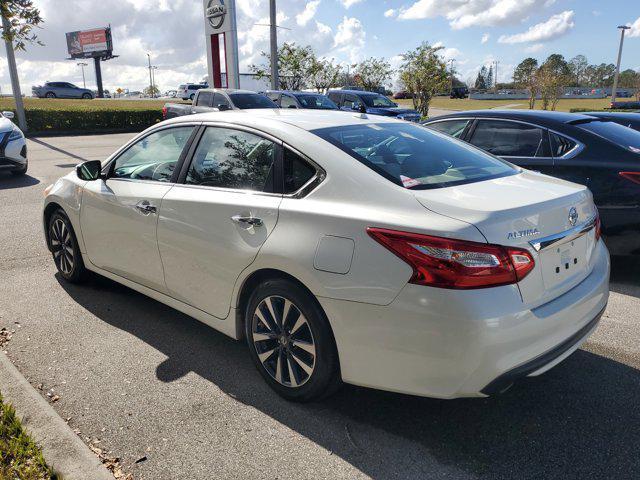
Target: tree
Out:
[324,74]
[22,17]
[553,75]
[578,66]
[424,73]
[294,66]
[481,82]
[525,76]
[628,78]
[373,73]
[489,78]
[151,91]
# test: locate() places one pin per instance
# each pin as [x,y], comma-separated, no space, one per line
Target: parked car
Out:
[188,91]
[61,90]
[624,94]
[373,103]
[627,105]
[13,146]
[296,99]
[628,119]
[587,150]
[402,95]
[463,92]
[368,250]
[218,99]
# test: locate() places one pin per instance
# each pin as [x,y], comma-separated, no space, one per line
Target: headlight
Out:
[15,134]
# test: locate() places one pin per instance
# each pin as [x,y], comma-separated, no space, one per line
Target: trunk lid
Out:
[520,210]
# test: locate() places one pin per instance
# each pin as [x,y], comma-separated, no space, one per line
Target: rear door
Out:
[523,144]
[214,222]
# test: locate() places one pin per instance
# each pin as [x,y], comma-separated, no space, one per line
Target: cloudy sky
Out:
[474,32]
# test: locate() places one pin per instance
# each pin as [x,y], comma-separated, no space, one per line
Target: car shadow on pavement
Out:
[9,181]
[57,149]
[579,420]
[625,275]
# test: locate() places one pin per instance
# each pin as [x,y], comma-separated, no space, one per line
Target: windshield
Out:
[378,101]
[318,102]
[415,157]
[245,101]
[625,137]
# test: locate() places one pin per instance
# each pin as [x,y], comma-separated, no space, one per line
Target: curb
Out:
[63,450]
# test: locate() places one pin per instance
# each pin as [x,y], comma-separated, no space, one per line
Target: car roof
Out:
[530,115]
[301,118]
[228,90]
[293,92]
[355,92]
[621,115]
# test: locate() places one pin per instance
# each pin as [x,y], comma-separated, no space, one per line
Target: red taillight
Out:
[633,176]
[164,112]
[459,264]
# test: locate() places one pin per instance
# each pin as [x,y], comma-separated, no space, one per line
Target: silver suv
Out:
[61,90]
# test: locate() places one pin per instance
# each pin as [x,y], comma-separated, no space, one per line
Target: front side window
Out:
[378,101]
[245,101]
[415,157]
[316,102]
[351,101]
[455,128]
[154,157]
[510,139]
[221,102]
[235,159]
[297,171]
[335,97]
[287,102]
[204,99]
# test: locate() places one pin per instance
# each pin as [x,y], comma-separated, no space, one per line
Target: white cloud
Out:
[556,26]
[308,13]
[635,28]
[349,3]
[390,13]
[468,13]
[350,37]
[536,47]
[485,38]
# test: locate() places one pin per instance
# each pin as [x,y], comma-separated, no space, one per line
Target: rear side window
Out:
[335,97]
[288,102]
[561,145]
[415,157]
[624,137]
[297,171]
[235,159]
[510,139]
[455,128]
[251,100]
[204,99]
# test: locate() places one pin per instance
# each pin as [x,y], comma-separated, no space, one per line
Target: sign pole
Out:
[96,60]
[220,18]
[275,81]
[15,81]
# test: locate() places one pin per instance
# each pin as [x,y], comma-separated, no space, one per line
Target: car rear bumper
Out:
[452,343]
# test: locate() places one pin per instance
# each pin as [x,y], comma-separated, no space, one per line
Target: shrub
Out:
[90,121]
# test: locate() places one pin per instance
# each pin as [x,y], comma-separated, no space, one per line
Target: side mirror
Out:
[8,114]
[355,106]
[292,106]
[222,107]
[90,170]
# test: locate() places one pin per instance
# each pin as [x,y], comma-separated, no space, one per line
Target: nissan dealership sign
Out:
[216,14]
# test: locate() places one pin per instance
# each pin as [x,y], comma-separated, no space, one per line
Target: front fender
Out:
[66,193]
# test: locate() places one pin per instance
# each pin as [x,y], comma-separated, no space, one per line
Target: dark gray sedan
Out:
[61,90]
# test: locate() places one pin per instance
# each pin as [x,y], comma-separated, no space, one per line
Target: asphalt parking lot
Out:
[153,386]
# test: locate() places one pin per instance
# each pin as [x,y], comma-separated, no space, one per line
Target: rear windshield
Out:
[317,102]
[415,157]
[251,100]
[377,101]
[625,137]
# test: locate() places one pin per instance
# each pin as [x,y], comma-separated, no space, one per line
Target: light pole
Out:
[82,65]
[15,81]
[153,81]
[495,76]
[150,74]
[275,81]
[615,78]
[451,75]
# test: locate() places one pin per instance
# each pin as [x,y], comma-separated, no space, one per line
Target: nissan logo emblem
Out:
[573,216]
[215,13]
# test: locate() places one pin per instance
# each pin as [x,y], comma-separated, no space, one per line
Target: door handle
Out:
[145,207]
[251,221]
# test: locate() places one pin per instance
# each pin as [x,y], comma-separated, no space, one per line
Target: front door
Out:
[213,224]
[119,215]
[524,144]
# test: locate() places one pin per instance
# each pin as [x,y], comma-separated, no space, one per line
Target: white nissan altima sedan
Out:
[343,248]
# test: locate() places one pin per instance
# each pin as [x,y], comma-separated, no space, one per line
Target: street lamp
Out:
[153,81]
[615,79]
[82,65]
[150,74]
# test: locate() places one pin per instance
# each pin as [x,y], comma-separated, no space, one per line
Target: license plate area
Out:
[562,263]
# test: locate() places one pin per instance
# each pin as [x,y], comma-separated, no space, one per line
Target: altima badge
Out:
[530,232]
[573,216]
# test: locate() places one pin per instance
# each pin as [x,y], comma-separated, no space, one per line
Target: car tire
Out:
[87,96]
[63,245]
[50,95]
[21,171]
[303,364]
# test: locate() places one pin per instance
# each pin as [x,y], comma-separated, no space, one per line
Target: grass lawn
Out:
[564,105]
[20,457]
[30,103]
